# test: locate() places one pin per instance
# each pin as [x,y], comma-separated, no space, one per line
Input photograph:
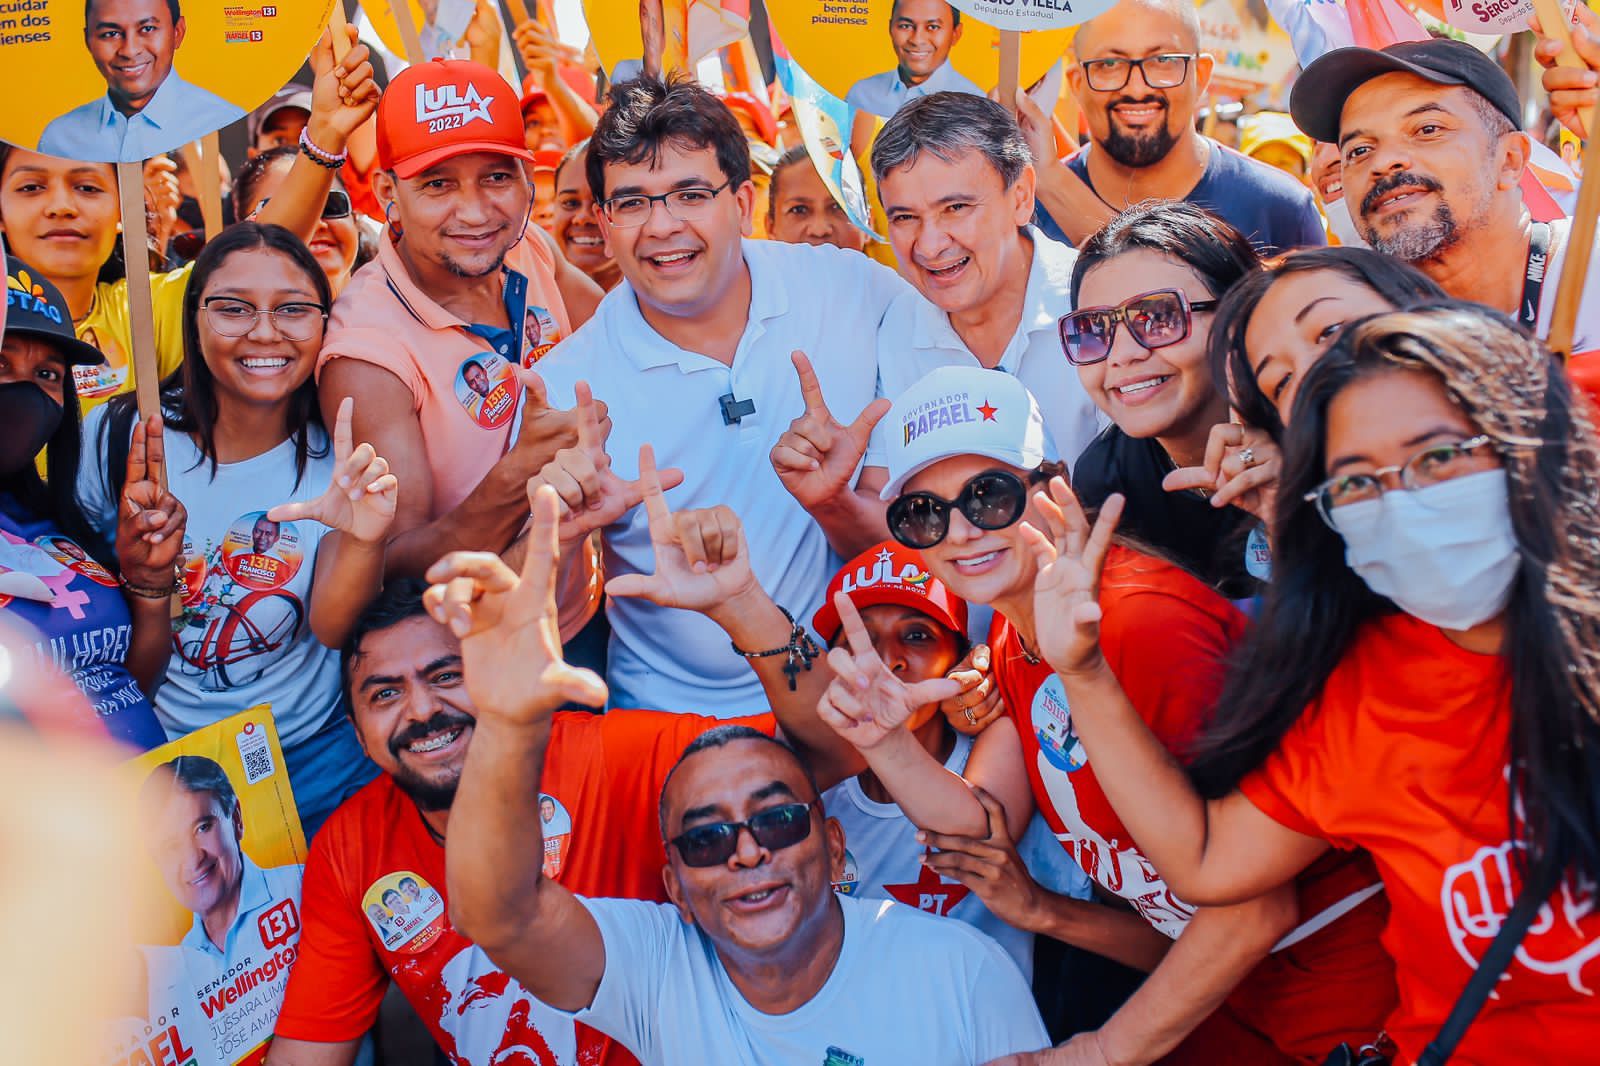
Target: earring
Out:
[396,230]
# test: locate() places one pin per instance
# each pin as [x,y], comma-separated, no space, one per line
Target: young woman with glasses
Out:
[1144,289]
[967,453]
[268,591]
[1424,681]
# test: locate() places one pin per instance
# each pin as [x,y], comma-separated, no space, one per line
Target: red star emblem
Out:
[929,892]
[987,411]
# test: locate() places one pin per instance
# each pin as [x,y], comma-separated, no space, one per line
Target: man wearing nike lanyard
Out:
[1434,164]
[436,326]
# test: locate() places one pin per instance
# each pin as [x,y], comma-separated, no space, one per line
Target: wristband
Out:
[320,156]
[800,650]
[146,593]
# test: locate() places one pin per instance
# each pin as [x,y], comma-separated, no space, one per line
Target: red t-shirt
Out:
[374,905]
[1405,753]
[1166,636]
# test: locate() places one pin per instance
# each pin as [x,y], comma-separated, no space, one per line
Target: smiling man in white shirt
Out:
[923,32]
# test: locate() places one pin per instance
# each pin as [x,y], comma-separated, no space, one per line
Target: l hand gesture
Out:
[1242,468]
[1070,557]
[866,701]
[508,626]
[592,495]
[701,559]
[361,496]
[817,455]
[990,867]
[150,521]
[978,703]
[343,92]
[545,430]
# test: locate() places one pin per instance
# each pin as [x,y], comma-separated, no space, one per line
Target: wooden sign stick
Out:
[408,31]
[1010,68]
[1553,20]
[1580,243]
[141,310]
[337,23]
[209,184]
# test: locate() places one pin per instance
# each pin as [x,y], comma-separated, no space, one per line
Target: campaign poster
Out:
[440,24]
[825,123]
[224,853]
[114,81]
[691,30]
[1252,51]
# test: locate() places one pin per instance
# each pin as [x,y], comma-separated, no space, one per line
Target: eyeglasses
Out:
[337,205]
[236,318]
[1442,462]
[774,829]
[1154,319]
[1165,71]
[993,499]
[685,205]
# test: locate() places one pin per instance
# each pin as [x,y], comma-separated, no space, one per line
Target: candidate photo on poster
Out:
[147,108]
[922,33]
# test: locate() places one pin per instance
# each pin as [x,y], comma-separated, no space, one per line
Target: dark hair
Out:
[189,398]
[399,601]
[1512,390]
[1399,283]
[790,158]
[115,268]
[947,125]
[391,892]
[201,776]
[1203,242]
[955,13]
[720,737]
[646,113]
[172,9]
[412,881]
[568,156]
[254,172]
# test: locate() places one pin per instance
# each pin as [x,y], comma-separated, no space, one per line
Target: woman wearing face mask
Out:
[1424,681]
[1144,289]
[1327,182]
[337,238]
[268,591]
[801,210]
[959,486]
[575,227]
[57,575]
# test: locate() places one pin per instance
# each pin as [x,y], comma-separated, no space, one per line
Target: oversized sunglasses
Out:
[993,499]
[775,828]
[1154,319]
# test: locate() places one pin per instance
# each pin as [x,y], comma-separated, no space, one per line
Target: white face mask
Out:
[1341,225]
[1445,553]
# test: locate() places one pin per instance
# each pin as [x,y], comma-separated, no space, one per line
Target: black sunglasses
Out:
[337,205]
[775,828]
[993,499]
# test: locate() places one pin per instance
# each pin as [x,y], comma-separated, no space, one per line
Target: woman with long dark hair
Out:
[268,592]
[1423,683]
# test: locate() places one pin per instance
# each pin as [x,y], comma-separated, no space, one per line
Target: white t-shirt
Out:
[916,337]
[907,988]
[826,302]
[244,636]
[1586,331]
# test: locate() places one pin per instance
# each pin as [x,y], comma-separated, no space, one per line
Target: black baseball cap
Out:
[35,307]
[1322,89]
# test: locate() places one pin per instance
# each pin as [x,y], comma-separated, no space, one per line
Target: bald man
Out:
[1139,77]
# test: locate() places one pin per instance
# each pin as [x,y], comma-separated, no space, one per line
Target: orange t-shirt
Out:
[1167,635]
[463,388]
[1405,753]
[374,905]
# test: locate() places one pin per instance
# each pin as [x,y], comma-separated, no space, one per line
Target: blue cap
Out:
[35,307]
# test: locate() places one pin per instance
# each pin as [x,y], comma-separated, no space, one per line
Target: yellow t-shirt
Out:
[107,326]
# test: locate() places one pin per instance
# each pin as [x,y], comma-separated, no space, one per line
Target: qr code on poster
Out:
[256,753]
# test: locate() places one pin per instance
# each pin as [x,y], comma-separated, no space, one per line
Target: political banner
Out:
[1025,15]
[224,854]
[693,29]
[1252,51]
[825,122]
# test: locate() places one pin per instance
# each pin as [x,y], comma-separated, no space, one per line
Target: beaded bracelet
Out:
[145,593]
[800,650]
[320,156]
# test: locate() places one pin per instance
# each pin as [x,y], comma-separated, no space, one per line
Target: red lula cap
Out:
[891,573]
[443,108]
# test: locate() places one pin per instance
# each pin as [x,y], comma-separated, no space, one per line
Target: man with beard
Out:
[1140,76]
[1434,154]
[458,274]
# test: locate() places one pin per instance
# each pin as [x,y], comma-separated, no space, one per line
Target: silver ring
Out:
[1247,458]
[971,718]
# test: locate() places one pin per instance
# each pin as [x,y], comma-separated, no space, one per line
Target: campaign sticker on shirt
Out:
[850,881]
[261,554]
[1258,555]
[487,388]
[1052,725]
[65,551]
[191,574]
[556,825]
[406,911]
[102,380]
[539,334]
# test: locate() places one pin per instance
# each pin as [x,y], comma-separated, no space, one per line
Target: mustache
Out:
[1403,180]
[1158,99]
[441,722]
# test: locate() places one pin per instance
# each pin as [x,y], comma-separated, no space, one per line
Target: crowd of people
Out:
[1156,620]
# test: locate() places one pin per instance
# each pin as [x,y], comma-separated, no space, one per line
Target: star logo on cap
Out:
[885,556]
[987,410]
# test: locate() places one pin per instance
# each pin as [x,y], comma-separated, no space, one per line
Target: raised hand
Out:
[866,702]
[990,867]
[542,51]
[150,520]
[508,626]
[701,557]
[343,92]
[1572,89]
[817,455]
[1070,557]
[361,495]
[545,430]
[592,495]
[978,703]
[1242,468]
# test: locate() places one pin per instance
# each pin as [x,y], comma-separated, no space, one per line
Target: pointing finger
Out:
[588,422]
[342,435]
[810,387]
[861,429]
[855,630]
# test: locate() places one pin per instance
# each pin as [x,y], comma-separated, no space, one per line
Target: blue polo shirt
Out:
[176,114]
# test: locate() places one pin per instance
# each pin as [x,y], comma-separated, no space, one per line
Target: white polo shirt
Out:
[916,337]
[826,302]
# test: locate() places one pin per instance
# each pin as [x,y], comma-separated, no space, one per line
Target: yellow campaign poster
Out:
[692,30]
[124,80]
[224,854]
[1251,50]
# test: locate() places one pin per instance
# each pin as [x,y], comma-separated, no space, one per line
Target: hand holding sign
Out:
[343,92]
[361,496]
[151,521]
[817,456]
[1572,88]
[867,702]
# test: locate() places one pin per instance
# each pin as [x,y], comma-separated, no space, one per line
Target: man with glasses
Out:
[756,957]
[708,350]
[1139,79]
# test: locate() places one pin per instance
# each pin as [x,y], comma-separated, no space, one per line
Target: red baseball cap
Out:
[443,108]
[891,573]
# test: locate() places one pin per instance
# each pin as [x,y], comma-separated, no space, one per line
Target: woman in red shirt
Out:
[1424,682]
